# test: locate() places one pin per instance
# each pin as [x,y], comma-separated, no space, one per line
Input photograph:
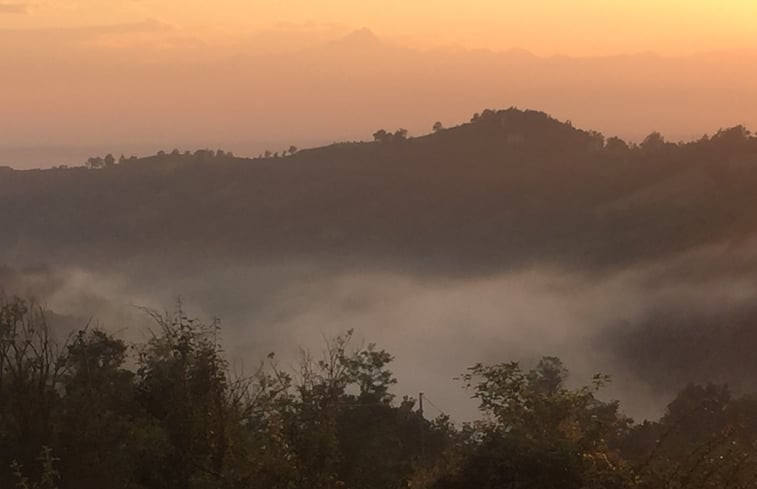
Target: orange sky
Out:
[571,27]
[139,75]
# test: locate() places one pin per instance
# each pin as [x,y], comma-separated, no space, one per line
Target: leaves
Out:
[177,416]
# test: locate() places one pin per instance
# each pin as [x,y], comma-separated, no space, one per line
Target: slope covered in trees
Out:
[508,188]
[94,412]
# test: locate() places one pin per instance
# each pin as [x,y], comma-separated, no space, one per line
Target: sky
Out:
[569,27]
[134,76]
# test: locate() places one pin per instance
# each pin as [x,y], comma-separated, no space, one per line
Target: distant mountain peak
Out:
[519,52]
[361,38]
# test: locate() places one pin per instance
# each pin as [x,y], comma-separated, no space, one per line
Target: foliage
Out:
[48,474]
[90,411]
[538,433]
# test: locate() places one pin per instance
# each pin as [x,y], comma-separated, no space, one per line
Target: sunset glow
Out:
[245,75]
[544,26]
[378,244]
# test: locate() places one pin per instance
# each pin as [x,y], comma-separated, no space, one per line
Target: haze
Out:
[90,77]
[373,244]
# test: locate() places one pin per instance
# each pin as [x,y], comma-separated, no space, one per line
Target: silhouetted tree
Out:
[488,114]
[616,145]
[95,162]
[653,142]
[381,136]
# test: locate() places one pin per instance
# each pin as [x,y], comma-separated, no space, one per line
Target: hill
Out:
[509,188]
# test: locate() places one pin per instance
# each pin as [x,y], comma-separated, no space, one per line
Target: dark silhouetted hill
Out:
[509,188]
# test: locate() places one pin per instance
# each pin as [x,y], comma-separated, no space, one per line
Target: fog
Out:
[437,326]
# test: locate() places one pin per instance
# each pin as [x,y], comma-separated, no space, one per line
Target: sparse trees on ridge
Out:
[383,136]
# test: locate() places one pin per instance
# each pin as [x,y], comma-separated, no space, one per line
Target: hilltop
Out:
[509,188]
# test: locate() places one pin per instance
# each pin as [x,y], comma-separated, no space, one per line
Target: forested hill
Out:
[510,187]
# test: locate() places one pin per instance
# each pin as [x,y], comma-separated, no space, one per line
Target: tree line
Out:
[92,411]
[613,147]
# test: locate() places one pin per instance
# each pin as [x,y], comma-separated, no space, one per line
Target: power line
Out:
[430,403]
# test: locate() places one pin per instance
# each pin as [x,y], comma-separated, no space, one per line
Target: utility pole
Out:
[423,427]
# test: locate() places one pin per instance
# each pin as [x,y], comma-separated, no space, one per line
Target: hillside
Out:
[511,187]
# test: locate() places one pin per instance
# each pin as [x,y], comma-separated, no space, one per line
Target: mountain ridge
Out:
[509,187]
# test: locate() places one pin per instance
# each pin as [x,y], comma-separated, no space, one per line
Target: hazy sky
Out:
[571,27]
[80,77]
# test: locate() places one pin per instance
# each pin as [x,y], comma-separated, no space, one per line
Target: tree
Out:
[109,161]
[181,381]
[32,364]
[437,126]
[705,439]
[98,413]
[488,114]
[322,399]
[345,430]
[381,136]
[47,478]
[653,142]
[734,135]
[292,149]
[616,145]
[95,162]
[539,433]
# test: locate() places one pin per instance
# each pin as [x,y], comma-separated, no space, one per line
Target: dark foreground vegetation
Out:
[94,412]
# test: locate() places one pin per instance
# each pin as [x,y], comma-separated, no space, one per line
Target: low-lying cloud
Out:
[436,327]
